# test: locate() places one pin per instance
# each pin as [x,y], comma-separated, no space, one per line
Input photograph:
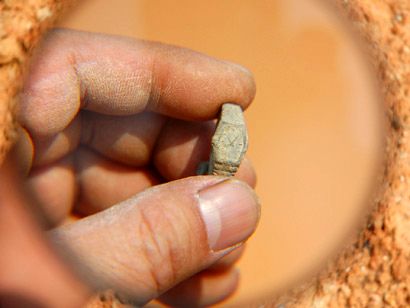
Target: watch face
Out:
[230,143]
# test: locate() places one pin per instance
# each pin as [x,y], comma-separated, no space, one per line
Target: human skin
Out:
[103,120]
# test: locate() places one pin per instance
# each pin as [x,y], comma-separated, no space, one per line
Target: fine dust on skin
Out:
[111,214]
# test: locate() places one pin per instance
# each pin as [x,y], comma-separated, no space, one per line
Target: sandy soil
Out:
[375,271]
[21,25]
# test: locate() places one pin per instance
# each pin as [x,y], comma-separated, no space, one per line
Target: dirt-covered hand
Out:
[112,128]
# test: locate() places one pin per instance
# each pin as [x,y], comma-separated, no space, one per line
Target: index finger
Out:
[122,76]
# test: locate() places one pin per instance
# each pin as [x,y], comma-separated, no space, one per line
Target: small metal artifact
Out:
[229,143]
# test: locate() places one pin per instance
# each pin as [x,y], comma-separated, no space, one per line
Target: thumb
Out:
[151,242]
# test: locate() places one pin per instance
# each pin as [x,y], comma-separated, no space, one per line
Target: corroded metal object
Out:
[229,143]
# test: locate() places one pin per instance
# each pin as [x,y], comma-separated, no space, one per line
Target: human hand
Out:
[107,118]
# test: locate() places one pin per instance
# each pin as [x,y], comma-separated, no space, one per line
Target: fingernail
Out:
[230,211]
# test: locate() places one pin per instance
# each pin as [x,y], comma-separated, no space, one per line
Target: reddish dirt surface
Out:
[375,271]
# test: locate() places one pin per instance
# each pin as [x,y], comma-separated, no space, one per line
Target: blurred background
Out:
[315,127]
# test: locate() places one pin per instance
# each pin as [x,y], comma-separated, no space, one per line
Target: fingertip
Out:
[230,211]
[247,83]
[197,89]
[247,173]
